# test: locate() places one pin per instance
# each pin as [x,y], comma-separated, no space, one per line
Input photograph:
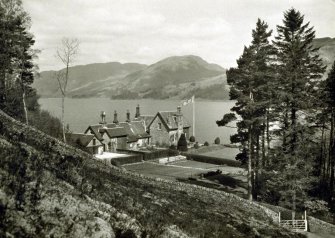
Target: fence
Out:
[294,225]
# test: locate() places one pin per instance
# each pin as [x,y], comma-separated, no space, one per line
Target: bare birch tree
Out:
[67,53]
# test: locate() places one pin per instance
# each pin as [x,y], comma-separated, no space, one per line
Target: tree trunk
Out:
[293,203]
[2,90]
[322,162]
[268,134]
[332,156]
[25,105]
[256,169]
[263,160]
[250,174]
[63,121]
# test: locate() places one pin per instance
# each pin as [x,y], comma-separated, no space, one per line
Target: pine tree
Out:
[250,85]
[299,69]
[16,60]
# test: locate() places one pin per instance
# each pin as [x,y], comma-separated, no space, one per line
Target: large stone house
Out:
[167,126]
[163,129]
[120,135]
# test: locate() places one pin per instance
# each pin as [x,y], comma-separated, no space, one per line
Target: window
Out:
[94,142]
[159,126]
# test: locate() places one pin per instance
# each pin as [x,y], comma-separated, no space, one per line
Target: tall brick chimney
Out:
[137,114]
[179,110]
[115,118]
[103,117]
[128,116]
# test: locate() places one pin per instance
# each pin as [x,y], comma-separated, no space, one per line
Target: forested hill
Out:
[51,189]
[174,77]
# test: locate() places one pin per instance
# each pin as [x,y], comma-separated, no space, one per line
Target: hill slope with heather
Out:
[91,79]
[51,189]
[175,77]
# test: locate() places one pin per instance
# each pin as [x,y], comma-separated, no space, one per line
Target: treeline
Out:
[285,117]
[17,69]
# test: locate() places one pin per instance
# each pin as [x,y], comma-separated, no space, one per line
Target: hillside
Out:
[49,189]
[87,79]
[327,50]
[175,77]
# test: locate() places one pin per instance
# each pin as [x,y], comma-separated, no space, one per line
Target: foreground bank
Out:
[49,188]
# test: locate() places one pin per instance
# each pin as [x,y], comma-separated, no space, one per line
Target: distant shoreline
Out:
[142,99]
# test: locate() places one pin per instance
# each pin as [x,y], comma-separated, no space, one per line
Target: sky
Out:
[146,31]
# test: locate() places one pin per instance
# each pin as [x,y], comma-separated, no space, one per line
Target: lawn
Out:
[179,169]
[225,153]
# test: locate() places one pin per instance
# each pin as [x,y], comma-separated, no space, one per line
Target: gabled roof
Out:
[78,139]
[135,131]
[139,129]
[114,132]
[147,119]
[169,121]
[111,125]
[95,131]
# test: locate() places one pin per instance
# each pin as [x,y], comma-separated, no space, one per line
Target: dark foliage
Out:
[182,143]
[192,139]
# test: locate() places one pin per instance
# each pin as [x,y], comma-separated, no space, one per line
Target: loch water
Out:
[80,113]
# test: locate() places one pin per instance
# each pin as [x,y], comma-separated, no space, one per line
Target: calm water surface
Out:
[79,113]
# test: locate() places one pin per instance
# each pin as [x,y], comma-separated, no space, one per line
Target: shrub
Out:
[206,143]
[217,141]
[173,147]
[192,139]
[196,145]
[317,207]
[182,143]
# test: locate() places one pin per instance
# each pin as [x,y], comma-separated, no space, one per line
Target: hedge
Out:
[212,160]
[151,155]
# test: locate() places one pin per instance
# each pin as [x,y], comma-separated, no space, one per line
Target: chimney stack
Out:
[115,118]
[137,114]
[103,117]
[179,110]
[128,116]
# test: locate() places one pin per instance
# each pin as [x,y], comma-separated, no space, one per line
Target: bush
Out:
[217,141]
[172,147]
[206,143]
[192,139]
[182,143]
[196,145]
[317,207]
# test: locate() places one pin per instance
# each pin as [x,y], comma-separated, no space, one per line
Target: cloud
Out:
[200,28]
[147,31]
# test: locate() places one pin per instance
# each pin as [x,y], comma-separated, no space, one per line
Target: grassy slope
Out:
[66,193]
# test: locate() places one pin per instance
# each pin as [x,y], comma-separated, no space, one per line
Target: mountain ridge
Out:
[174,77]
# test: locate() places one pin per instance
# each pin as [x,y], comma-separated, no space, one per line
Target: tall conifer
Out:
[299,69]
[250,88]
